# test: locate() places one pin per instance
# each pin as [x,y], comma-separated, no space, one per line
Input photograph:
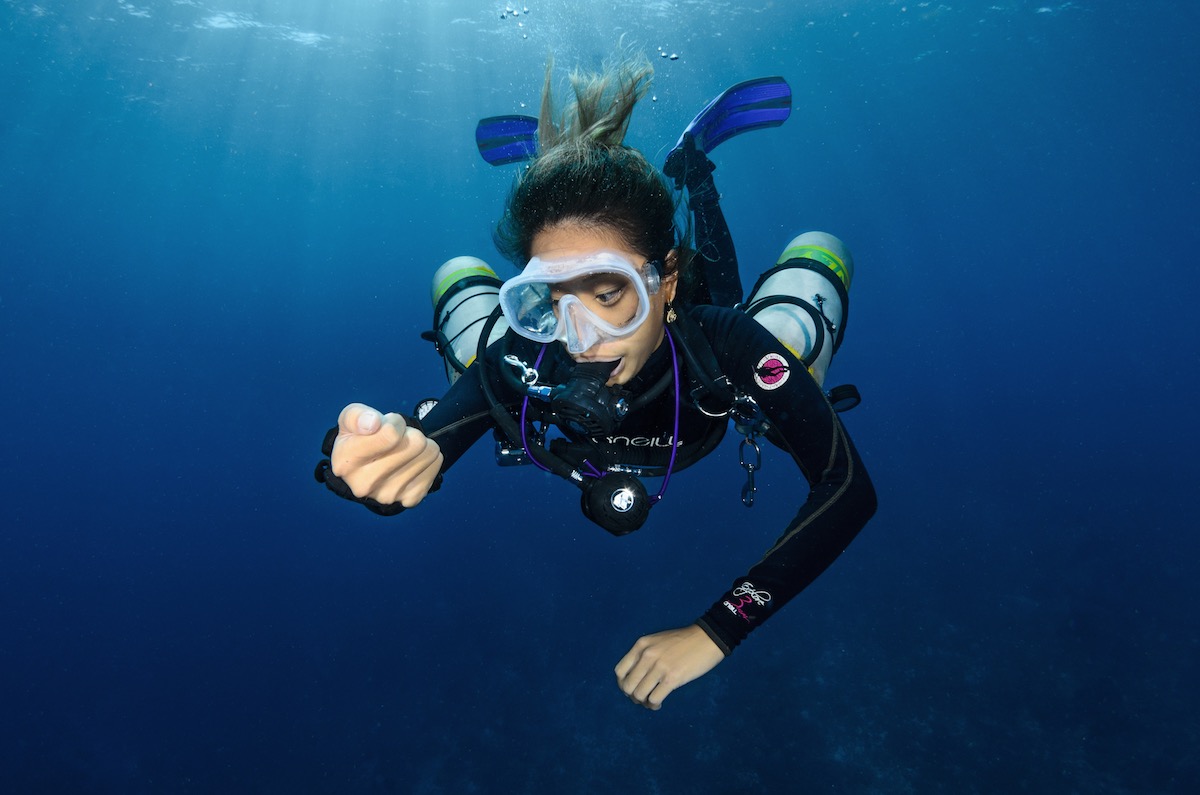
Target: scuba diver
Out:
[621,351]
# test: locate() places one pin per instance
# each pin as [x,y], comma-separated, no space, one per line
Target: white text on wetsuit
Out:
[746,594]
[642,441]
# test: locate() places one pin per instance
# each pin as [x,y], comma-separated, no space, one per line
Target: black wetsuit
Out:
[841,497]
[800,420]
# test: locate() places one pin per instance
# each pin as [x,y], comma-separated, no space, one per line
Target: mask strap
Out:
[651,277]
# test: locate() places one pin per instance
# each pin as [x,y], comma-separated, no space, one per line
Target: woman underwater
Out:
[613,338]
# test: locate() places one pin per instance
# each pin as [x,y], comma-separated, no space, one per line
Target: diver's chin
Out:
[620,373]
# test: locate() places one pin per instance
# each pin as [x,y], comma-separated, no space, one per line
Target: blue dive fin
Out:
[506,139]
[752,105]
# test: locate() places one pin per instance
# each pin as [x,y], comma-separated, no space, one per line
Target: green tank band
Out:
[821,255]
[461,273]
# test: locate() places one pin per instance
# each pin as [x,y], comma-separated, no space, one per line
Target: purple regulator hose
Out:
[594,472]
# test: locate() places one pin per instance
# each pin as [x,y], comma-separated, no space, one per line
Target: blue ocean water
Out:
[218,222]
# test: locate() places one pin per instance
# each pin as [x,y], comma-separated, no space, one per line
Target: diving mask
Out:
[579,300]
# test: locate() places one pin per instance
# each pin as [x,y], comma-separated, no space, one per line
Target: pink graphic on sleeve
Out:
[747,595]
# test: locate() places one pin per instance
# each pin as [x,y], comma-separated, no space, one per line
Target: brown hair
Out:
[585,174]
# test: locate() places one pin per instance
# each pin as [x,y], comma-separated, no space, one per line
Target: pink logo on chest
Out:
[772,371]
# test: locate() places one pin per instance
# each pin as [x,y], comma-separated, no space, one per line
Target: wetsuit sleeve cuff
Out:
[713,635]
[731,619]
[727,629]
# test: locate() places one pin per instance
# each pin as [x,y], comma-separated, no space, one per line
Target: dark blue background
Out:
[218,225]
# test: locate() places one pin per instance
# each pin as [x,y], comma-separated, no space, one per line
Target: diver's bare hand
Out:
[659,663]
[382,457]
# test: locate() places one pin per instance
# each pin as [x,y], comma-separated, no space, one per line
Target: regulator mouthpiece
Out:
[585,404]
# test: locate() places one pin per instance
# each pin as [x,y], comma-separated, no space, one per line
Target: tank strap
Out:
[443,344]
[818,254]
[821,323]
[444,295]
[478,276]
[805,263]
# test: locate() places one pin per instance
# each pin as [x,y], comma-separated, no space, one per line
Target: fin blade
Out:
[506,139]
[751,105]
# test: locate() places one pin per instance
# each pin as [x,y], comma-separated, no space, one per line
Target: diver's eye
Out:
[609,297]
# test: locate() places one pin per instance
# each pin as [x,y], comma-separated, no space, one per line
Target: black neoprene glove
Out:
[324,474]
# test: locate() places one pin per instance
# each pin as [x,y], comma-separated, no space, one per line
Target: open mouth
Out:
[616,371]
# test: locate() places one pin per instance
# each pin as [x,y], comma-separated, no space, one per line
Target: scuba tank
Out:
[804,300]
[465,292]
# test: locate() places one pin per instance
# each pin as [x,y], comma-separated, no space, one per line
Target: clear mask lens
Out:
[579,301]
